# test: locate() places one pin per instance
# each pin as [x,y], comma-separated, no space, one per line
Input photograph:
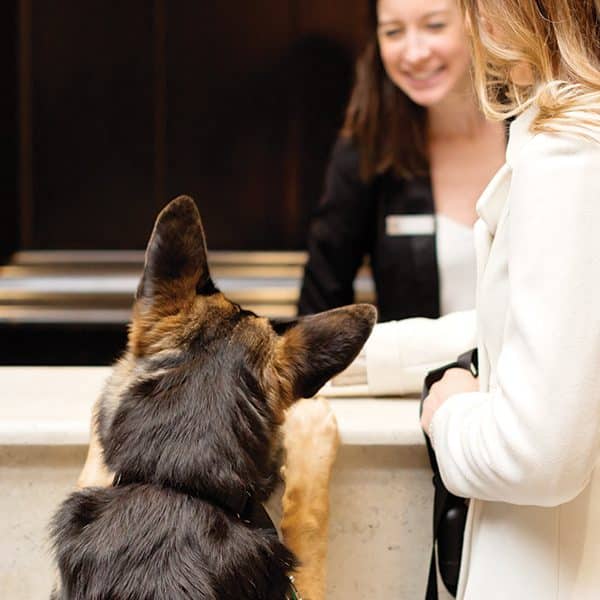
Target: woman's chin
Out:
[437,94]
[427,98]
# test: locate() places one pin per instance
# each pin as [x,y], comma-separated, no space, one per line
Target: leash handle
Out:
[469,362]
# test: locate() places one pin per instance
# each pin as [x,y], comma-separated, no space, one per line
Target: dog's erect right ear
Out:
[317,347]
[175,266]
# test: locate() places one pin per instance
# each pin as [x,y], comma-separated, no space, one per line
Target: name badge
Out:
[410,225]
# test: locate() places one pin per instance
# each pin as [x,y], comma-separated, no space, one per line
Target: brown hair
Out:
[388,128]
[559,40]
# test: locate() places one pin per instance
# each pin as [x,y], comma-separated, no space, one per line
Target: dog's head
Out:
[198,397]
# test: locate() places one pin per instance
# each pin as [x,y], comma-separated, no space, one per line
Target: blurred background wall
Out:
[114,107]
[9,219]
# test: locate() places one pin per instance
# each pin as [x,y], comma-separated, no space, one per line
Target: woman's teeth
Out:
[424,76]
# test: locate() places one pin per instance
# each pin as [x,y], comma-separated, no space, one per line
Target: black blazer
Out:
[351,223]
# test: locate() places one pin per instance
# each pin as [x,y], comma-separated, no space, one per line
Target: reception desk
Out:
[380,497]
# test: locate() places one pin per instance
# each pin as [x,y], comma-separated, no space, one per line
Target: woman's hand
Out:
[454,381]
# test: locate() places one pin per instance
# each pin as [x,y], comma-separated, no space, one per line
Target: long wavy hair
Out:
[559,42]
[388,129]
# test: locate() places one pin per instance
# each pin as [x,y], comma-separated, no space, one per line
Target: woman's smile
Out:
[424,79]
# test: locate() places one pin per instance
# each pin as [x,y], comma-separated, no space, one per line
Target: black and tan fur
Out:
[189,418]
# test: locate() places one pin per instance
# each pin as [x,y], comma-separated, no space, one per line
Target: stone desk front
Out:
[380,497]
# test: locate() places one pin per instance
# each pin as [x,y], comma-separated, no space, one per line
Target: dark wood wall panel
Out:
[226,126]
[328,37]
[132,103]
[253,108]
[344,21]
[9,219]
[93,123]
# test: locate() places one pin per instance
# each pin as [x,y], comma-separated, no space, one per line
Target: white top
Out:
[456,264]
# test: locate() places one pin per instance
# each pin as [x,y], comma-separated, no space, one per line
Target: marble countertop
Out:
[51,406]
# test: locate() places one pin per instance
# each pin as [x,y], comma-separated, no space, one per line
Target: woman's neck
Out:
[457,116]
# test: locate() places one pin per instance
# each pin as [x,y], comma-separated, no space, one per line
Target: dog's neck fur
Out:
[216,404]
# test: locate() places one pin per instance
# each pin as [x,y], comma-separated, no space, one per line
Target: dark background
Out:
[111,108]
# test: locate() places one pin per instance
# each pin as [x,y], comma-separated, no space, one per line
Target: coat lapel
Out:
[490,209]
[490,206]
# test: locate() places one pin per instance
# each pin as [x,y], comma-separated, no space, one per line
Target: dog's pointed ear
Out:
[175,266]
[317,347]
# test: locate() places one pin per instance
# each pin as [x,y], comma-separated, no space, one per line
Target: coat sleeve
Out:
[533,439]
[339,234]
[401,353]
[398,354]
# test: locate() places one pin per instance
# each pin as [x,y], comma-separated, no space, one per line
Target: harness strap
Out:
[242,505]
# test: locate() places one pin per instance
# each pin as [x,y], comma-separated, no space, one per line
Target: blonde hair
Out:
[559,41]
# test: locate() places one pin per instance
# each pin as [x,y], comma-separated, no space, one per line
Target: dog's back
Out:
[143,541]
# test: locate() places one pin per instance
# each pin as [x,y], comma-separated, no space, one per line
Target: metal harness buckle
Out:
[293,595]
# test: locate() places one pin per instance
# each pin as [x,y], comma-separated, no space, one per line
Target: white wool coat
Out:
[525,447]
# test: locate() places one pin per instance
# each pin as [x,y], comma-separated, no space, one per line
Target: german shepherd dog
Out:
[189,425]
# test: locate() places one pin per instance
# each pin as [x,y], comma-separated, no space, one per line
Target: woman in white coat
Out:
[523,441]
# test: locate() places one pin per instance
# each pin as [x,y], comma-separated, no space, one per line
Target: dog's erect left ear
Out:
[176,265]
[318,347]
